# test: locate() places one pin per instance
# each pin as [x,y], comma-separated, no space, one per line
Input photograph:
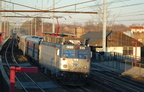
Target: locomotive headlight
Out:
[70,47]
[65,66]
[85,67]
[83,48]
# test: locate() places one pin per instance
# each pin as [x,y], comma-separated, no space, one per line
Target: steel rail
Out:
[25,73]
[112,81]
[126,79]
[9,66]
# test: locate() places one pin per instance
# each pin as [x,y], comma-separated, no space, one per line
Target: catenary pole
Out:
[4,21]
[0,17]
[42,15]
[35,25]
[53,26]
[104,25]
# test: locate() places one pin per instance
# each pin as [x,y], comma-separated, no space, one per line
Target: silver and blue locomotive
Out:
[66,59]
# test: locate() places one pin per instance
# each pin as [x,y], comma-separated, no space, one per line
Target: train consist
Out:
[64,58]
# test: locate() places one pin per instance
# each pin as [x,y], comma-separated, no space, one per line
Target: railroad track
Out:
[22,77]
[112,80]
[12,57]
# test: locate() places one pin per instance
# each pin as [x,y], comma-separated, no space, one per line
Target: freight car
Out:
[64,58]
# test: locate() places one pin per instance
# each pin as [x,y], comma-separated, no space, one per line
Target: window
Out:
[127,50]
[82,54]
[69,53]
[33,50]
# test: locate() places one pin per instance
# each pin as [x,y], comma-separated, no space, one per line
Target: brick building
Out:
[116,42]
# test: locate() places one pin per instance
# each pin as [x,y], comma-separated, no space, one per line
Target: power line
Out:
[108,3]
[55,4]
[47,11]
[50,9]
[132,20]
[75,4]
[98,5]
[125,15]
[130,5]
[20,4]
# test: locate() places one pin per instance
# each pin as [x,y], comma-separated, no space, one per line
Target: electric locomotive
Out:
[65,58]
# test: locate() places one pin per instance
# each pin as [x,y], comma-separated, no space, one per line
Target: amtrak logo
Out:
[75,64]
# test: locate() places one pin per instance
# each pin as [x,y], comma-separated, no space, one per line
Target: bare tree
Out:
[111,18]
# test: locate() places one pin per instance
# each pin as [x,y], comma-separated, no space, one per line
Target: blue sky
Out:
[125,12]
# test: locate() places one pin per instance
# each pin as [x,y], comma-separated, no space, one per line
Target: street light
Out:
[135,52]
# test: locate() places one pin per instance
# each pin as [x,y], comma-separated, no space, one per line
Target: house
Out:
[138,32]
[116,42]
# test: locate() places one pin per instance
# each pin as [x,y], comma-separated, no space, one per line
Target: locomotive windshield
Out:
[69,53]
[82,54]
[75,54]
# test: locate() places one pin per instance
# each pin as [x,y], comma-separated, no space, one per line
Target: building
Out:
[79,31]
[138,32]
[116,42]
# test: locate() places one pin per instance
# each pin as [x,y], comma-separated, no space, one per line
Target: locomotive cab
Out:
[68,61]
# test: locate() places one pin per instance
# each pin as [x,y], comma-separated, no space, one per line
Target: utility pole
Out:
[41,18]
[31,28]
[104,25]
[4,21]
[0,16]
[53,26]
[35,25]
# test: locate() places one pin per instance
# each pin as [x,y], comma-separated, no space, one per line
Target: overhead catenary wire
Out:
[108,3]
[130,14]
[20,5]
[66,5]
[98,5]
[55,4]
[50,9]
[125,4]
[74,4]
[112,2]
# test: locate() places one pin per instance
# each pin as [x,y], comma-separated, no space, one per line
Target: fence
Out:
[116,61]
[108,56]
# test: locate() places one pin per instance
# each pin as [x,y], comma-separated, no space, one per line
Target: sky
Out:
[125,12]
